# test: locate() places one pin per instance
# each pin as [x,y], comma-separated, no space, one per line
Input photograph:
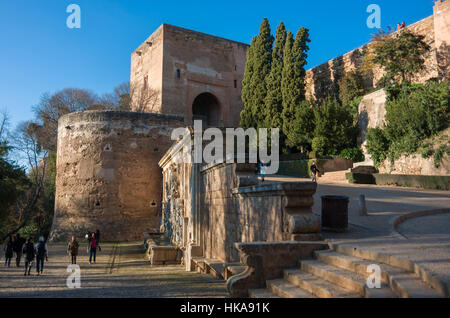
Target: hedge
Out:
[419,181]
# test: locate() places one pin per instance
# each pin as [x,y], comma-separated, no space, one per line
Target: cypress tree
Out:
[296,122]
[274,99]
[254,84]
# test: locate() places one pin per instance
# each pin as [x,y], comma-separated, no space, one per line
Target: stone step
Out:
[351,263]
[404,283]
[214,267]
[317,286]
[285,289]
[347,279]
[407,285]
[334,176]
[261,293]
[233,269]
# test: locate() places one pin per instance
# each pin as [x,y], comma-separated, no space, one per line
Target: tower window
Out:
[235,84]
[178,73]
[235,67]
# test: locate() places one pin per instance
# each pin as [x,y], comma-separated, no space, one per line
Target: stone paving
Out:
[121,271]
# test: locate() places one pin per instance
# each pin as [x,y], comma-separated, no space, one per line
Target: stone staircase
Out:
[343,275]
[334,177]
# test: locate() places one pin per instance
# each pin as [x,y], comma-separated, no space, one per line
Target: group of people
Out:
[38,252]
[93,245]
[31,252]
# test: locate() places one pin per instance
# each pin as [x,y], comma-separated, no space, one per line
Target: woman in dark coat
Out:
[9,251]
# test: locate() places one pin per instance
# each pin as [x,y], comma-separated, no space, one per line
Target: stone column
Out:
[303,225]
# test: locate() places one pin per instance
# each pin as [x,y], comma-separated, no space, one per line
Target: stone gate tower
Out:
[194,74]
[108,176]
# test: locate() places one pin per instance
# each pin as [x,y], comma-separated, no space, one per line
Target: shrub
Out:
[354,154]
[377,145]
[410,118]
[439,154]
[334,128]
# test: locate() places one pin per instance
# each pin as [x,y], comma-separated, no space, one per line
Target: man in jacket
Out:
[73,249]
[41,253]
[18,245]
[29,252]
[314,171]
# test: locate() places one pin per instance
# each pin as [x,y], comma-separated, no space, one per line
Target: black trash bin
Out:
[334,213]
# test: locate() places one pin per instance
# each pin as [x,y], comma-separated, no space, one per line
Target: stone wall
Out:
[417,165]
[107,173]
[212,206]
[322,80]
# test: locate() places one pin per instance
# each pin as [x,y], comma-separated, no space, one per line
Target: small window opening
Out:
[178,73]
[235,84]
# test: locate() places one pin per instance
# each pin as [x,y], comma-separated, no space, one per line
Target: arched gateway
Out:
[206,107]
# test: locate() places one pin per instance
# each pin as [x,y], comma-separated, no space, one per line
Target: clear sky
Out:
[38,53]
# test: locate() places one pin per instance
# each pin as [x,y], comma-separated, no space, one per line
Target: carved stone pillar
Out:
[302,224]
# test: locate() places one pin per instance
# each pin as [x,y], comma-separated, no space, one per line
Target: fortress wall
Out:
[107,173]
[322,80]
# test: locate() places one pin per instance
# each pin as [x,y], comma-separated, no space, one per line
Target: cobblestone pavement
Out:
[121,271]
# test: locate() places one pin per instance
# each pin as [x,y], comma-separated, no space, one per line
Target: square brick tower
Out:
[182,72]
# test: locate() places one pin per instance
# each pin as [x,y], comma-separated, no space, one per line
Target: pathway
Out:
[121,271]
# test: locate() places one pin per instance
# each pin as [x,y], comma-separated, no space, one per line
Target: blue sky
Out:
[38,53]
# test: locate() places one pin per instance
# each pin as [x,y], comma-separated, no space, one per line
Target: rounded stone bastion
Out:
[107,174]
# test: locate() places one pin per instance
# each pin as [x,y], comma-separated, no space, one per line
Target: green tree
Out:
[254,91]
[301,126]
[401,55]
[351,89]
[293,89]
[274,99]
[334,128]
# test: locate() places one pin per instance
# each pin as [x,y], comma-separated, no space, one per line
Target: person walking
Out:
[73,249]
[41,253]
[29,253]
[315,171]
[9,249]
[92,245]
[18,245]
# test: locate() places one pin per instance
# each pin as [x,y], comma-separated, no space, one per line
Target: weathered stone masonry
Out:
[322,80]
[209,207]
[196,74]
[107,173]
